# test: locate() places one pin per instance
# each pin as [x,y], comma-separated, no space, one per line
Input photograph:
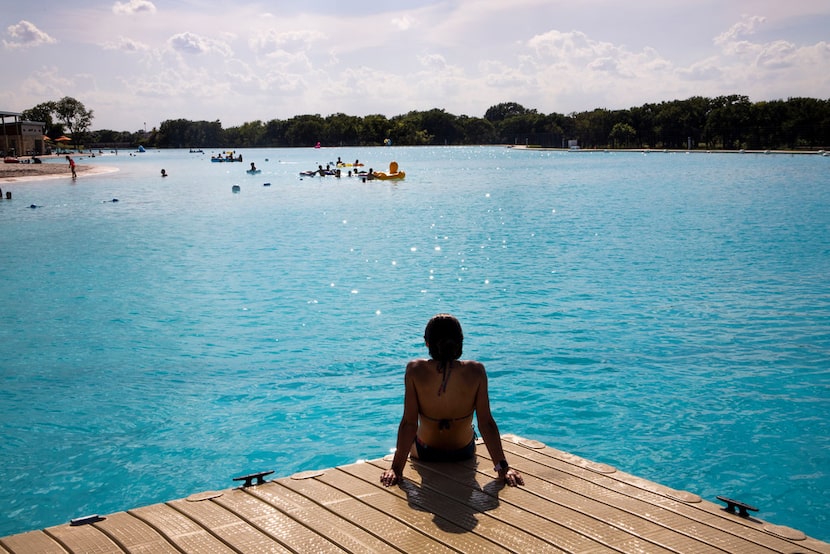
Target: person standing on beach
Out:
[72,167]
[441,395]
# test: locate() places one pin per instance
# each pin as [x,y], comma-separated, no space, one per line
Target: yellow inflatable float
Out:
[392,174]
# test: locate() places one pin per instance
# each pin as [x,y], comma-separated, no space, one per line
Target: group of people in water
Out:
[226,157]
[337,170]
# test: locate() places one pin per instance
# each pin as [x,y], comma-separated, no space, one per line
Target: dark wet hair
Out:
[444,338]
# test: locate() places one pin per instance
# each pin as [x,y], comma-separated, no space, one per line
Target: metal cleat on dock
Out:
[260,478]
[742,508]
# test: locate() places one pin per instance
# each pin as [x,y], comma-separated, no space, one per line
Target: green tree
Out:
[404,129]
[181,133]
[247,135]
[305,130]
[374,129]
[440,125]
[593,128]
[477,130]
[74,116]
[522,128]
[342,129]
[43,113]
[502,111]
[729,121]
[622,135]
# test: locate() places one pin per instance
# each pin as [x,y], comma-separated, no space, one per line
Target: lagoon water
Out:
[665,313]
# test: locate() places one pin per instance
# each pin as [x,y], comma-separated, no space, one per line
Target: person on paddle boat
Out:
[440,397]
[253,167]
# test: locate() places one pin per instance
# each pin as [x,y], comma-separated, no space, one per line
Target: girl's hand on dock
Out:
[512,477]
[389,478]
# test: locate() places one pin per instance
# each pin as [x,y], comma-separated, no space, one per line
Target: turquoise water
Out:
[668,314]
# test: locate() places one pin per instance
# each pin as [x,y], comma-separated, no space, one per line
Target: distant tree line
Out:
[724,122]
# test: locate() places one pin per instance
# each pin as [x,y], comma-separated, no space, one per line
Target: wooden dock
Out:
[568,504]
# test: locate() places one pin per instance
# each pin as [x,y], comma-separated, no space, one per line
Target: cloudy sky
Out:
[140,62]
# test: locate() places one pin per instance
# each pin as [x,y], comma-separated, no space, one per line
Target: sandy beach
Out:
[22,172]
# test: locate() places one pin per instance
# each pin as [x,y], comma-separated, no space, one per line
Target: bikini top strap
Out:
[423,415]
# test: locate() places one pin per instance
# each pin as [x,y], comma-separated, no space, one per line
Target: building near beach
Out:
[20,138]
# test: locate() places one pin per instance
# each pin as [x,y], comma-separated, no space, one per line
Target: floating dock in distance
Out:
[568,504]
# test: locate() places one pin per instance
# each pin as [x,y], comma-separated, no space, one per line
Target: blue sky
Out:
[137,62]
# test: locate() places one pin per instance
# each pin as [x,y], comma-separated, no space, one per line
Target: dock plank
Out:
[568,504]
[426,512]
[276,524]
[133,535]
[83,538]
[704,522]
[226,526]
[32,541]
[565,530]
[184,533]
[368,514]
[349,536]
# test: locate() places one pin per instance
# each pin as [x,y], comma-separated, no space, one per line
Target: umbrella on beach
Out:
[63,139]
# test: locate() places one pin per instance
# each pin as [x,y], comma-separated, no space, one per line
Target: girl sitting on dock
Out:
[441,395]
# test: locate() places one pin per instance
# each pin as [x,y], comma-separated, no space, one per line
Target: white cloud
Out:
[566,46]
[48,82]
[272,41]
[403,23]
[744,27]
[25,34]
[704,70]
[434,62]
[461,56]
[777,55]
[125,44]
[191,43]
[609,65]
[134,6]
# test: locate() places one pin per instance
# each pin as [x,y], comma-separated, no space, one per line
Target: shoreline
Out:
[665,150]
[24,173]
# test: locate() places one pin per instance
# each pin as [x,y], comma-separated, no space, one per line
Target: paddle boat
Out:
[228,157]
[392,174]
